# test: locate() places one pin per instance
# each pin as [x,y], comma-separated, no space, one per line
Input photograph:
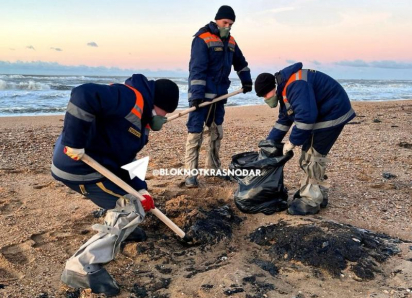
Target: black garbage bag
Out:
[265,193]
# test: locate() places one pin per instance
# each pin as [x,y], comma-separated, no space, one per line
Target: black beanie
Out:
[225,12]
[166,95]
[265,82]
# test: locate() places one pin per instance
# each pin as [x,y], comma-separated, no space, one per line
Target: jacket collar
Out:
[212,28]
[285,74]
[147,89]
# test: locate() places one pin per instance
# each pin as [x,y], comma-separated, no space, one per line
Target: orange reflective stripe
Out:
[209,37]
[295,77]
[232,40]
[139,102]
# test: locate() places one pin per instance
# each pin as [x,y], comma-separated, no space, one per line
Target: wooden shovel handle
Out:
[126,187]
[203,104]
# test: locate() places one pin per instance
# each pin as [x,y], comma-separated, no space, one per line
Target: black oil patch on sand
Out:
[210,227]
[328,246]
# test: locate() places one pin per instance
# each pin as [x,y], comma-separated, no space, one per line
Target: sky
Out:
[350,39]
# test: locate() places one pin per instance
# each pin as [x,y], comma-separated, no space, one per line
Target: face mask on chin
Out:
[224,32]
[272,102]
[157,121]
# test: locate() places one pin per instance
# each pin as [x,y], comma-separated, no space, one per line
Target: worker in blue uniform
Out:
[214,52]
[110,123]
[319,108]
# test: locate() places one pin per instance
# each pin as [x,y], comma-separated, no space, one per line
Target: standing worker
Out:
[319,107]
[213,53]
[110,123]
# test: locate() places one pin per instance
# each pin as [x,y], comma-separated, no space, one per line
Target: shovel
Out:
[126,187]
[203,104]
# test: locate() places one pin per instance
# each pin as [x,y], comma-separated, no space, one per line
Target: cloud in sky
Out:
[375,64]
[275,10]
[40,67]
[391,64]
[290,61]
[316,62]
[309,13]
[56,49]
[30,48]
[92,44]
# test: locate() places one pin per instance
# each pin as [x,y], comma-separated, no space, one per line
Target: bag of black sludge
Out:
[266,192]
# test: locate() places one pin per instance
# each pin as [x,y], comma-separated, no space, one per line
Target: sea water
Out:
[24,95]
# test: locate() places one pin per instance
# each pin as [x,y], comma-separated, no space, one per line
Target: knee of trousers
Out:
[313,164]
[219,130]
[194,139]
[120,221]
[128,206]
[216,132]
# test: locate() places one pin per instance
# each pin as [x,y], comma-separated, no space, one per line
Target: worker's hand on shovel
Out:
[247,86]
[195,103]
[73,153]
[147,203]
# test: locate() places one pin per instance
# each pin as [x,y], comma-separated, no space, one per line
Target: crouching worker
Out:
[319,107]
[110,123]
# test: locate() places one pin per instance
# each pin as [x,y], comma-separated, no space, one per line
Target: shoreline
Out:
[396,101]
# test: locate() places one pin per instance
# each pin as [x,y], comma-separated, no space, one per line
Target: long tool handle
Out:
[126,187]
[203,104]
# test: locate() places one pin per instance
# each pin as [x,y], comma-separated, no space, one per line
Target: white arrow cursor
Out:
[137,168]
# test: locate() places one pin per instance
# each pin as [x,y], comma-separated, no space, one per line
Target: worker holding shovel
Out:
[213,53]
[319,108]
[105,126]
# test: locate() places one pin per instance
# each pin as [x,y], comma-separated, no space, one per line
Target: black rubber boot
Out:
[99,281]
[298,207]
[224,177]
[138,235]
[191,182]
[322,205]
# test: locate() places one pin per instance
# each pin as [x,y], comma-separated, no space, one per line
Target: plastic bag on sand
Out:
[266,192]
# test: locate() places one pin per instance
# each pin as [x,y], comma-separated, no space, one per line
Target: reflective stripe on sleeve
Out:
[210,95]
[207,95]
[198,82]
[325,124]
[72,177]
[304,126]
[79,113]
[335,122]
[244,69]
[281,127]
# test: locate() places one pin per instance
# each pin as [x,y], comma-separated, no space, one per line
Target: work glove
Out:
[73,153]
[147,203]
[195,103]
[288,147]
[247,86]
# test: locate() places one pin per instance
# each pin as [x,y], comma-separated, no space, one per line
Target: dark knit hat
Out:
[225,12]
[166,95]
[265,82]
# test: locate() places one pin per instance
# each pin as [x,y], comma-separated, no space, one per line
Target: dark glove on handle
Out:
[247,87]
[195,103]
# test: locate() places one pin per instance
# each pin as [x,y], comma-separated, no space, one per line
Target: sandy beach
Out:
[44,223]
